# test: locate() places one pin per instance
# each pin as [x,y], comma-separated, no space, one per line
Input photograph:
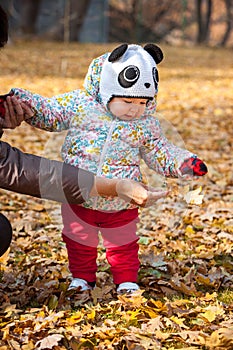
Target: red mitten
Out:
[193,166]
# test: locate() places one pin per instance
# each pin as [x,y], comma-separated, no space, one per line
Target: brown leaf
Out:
[220,339]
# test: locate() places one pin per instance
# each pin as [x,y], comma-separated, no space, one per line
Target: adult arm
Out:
[41,177]
[50,179]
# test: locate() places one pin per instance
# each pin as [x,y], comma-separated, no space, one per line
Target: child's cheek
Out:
[117,109]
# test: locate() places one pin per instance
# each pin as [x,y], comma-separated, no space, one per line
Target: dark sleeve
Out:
[41,177]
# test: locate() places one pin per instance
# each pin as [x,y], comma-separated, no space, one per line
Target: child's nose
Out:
[134,107]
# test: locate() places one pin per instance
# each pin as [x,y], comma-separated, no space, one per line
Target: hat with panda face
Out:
[130,71]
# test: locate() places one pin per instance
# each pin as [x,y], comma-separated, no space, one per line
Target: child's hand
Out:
[194,167]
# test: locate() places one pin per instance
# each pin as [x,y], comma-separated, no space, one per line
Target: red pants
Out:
[80,233]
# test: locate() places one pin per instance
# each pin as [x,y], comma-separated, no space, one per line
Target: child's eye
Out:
[126,101]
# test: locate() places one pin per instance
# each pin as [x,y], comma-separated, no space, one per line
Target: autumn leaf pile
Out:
[186,297]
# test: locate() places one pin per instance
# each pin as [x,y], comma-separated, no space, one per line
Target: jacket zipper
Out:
[103,153]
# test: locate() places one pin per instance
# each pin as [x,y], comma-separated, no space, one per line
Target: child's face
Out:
[127,108]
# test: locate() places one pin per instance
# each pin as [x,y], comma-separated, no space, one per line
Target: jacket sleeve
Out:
[43,178]
[161,155]
[51,114]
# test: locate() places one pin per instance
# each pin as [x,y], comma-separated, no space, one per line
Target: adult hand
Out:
[136,193]
[15,113]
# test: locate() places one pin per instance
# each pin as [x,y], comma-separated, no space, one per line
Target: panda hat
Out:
[130,71]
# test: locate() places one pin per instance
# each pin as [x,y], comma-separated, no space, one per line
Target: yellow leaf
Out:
[218,112]
[200,248]
[209,315]
[4,258]
[75,318]
[157,303]
[28,346]
[91,315]
[209,297]
[212,311]
[189,229]
[179,321]
[150,312]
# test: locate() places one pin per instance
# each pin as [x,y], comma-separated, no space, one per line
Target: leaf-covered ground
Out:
[186,298]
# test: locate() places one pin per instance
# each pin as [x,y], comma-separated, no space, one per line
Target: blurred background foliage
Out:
[177,22]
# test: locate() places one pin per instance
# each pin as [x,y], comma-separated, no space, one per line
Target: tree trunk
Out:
[203,21]
[3,27]
[78,11]
[29,10]
[199,21]
[229,20]
[208,18]
[69,26]
[134,18]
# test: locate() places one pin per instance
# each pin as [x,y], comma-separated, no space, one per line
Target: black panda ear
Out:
[117,52]
[155,52]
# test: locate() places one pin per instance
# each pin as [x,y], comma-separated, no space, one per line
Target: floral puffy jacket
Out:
[101,143]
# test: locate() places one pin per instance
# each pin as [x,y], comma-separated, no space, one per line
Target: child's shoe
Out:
[79,284]
[127,288]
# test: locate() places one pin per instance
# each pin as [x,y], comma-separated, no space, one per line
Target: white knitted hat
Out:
[130,71]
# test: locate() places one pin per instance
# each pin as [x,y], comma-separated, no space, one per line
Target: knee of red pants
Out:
[84,238]
[79,225]
[123,230]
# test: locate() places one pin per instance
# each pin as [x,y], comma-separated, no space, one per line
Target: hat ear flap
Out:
[155,52]
[117,52]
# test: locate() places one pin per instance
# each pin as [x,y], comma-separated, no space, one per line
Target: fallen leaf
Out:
[49,342]
[194,196]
